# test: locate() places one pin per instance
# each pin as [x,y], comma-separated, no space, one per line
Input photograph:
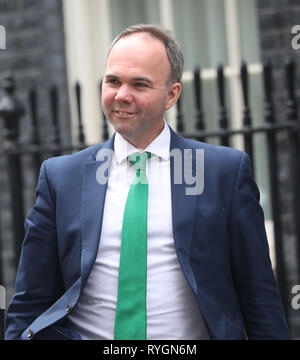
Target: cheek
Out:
[107,98]
[146,103]
[154,104]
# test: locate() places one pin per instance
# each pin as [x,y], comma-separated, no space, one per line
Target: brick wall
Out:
[35,54]
[276,19]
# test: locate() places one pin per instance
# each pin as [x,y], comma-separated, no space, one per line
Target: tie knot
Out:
[138,160]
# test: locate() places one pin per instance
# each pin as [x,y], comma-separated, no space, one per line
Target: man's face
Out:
[134,91]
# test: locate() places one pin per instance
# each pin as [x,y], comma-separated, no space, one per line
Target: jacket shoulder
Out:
[67,167]
[88,154]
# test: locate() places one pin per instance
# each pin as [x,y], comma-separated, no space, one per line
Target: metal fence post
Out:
[81,137]
[54,105]
[247,120]
[198,101]
[11,110]
[223,119]
[35,140]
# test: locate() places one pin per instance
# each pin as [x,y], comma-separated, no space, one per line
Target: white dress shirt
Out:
[172,310]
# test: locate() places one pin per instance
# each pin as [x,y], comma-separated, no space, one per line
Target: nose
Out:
[124,94]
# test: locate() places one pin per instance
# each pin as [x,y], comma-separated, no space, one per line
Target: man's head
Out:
[173,49]
[142,80]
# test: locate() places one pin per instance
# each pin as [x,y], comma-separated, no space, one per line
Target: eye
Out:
[140,85]
[112,81]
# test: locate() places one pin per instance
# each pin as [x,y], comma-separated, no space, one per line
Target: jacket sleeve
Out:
[251,266]
[38,282]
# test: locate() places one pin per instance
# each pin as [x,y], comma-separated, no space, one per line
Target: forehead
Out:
[138,52]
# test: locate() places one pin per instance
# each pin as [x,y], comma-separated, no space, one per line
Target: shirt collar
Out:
[160,146]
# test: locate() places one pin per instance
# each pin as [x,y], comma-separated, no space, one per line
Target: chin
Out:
[122,129]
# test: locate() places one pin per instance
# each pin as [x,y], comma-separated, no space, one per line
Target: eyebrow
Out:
[137,78]
[140,78]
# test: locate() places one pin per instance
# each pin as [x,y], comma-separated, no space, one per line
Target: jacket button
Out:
[29,334]
[68,308]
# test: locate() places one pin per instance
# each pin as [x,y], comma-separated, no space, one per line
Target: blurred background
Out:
[241,88]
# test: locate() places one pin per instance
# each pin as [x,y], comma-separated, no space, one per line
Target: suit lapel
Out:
[183,206]
[94,185]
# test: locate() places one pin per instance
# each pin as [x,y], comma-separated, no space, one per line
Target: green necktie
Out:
[131,320]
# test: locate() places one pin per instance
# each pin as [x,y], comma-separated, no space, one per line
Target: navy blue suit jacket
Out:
[219,238]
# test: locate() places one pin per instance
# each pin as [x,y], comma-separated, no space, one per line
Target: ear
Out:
[173,95]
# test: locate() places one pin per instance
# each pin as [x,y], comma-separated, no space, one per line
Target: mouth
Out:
[124,114]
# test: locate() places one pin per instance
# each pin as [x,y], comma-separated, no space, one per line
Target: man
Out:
[207,273]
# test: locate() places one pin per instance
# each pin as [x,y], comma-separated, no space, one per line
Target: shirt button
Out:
[29,334]
[68,308]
